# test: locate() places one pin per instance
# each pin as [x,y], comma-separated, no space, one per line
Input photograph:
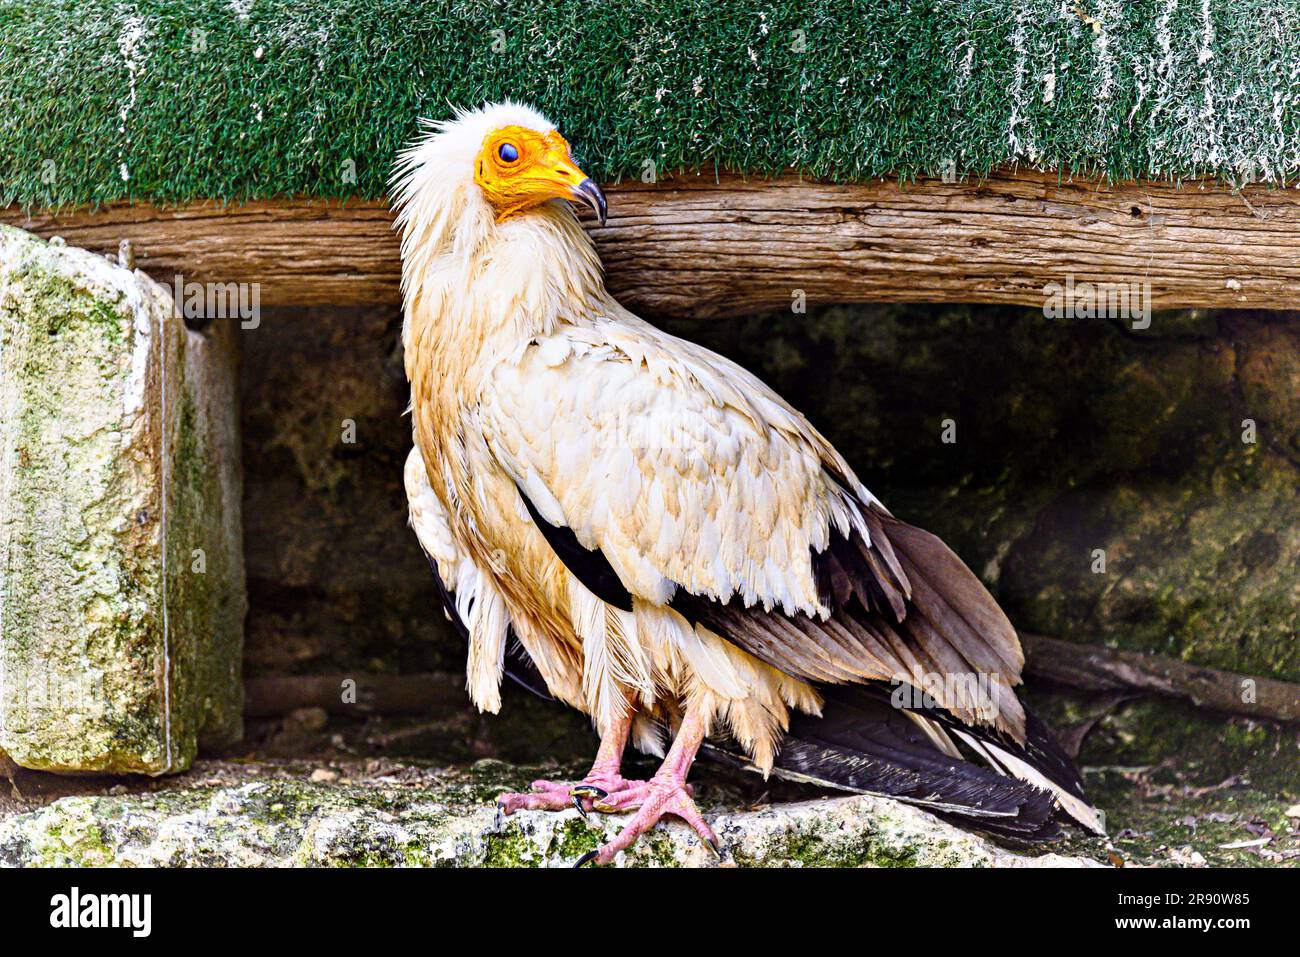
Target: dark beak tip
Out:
[590,194]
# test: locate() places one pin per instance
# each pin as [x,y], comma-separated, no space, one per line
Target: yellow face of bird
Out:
[519,168]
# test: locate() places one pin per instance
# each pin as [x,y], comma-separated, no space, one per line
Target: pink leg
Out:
[601,782]
[666,793]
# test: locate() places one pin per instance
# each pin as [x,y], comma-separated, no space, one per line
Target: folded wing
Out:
[660,471]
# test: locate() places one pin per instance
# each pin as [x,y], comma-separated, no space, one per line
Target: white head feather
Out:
[450,230]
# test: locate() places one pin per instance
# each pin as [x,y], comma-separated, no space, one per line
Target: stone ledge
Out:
[412,817]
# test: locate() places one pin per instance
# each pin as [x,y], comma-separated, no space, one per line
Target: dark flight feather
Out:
[863,744]
[866,746]
[448,602]
[589,566]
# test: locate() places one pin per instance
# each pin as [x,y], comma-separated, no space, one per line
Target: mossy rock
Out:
[402,816]
[121,565]
[315,97]
[1182,786]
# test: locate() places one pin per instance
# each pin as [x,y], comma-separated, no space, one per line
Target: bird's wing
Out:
[678,479]
[661,471]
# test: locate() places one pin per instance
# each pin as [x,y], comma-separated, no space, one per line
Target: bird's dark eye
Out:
[508,153]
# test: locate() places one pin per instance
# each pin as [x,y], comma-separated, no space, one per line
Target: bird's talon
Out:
[577,804]
[586,859]
[714,847]
[588,790]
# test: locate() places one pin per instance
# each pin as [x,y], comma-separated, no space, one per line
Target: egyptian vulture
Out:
[678,553]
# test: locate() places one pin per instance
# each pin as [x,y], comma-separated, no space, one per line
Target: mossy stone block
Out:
[121,570]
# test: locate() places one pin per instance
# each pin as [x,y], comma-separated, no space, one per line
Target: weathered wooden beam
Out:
[1097,668]
[694,246]
[1090,667]
[424,693]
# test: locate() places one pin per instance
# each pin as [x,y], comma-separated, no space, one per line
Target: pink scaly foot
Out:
[558,795]
[596,792]
[654,799]
[601,783]
[666,793]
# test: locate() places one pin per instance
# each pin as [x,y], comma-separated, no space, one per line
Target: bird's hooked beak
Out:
[586,192]
[589,193]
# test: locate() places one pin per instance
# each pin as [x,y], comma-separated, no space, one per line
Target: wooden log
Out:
[425,693]
[1097,668]
[1090,667]
[694,246]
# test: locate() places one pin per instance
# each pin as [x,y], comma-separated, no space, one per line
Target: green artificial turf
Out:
[173,100]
